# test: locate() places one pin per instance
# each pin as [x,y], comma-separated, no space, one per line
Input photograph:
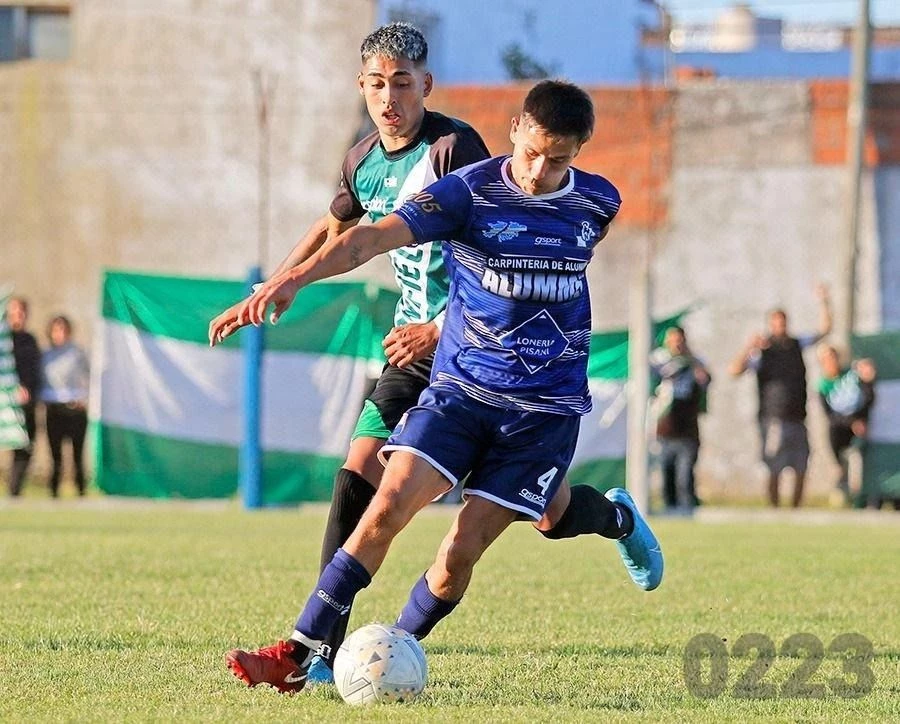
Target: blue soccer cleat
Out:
[319,672]
[640,550]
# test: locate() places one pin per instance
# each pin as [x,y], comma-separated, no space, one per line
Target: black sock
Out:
[590,511]
[352,495]
[304,650]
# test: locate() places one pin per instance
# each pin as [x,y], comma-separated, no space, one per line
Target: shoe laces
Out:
[278,652]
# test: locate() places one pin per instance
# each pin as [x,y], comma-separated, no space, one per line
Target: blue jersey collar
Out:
[504,174]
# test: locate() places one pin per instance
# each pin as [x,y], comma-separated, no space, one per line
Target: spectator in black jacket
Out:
[777,359]
[28,368]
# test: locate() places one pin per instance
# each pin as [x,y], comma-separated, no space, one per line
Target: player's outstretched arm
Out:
[321,230]
[226,323]
[346,251]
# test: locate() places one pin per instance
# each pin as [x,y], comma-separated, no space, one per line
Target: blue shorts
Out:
[516,459]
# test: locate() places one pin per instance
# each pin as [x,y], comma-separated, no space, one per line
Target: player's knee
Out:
[368,470]
[546,522]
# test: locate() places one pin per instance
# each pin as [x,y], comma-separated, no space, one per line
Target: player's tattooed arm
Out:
[338,255]
[327,227]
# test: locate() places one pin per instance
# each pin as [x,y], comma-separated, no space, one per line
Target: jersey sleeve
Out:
[808,340]
[613,203]
[754,360]
[457,150]
[605,199]
[345,206]
[868,392]
[441,211]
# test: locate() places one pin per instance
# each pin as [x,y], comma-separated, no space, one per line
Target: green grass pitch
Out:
[123,613]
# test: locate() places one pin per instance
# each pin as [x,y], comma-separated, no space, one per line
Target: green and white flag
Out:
[166,409]
[12,420]
[881,470]
[600,453]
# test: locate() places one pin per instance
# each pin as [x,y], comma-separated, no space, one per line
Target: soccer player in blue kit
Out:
[509,381]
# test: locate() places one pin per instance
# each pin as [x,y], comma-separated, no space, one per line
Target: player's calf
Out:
[589,511]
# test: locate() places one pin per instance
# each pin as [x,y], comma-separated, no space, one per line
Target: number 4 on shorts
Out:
[544,480]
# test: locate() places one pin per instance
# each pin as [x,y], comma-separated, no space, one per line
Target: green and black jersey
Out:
[376,182]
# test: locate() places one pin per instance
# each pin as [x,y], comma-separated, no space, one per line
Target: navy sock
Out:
[352,494]
[423,610]
[341,580]
[590,511]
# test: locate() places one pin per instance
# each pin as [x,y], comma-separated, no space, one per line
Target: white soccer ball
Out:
[380,663]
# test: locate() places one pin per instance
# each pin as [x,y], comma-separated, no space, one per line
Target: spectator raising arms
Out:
[777,359]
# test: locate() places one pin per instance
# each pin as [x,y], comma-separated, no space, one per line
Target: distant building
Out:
[34,29]
[740,44]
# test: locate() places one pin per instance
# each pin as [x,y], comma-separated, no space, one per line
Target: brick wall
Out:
[828,109]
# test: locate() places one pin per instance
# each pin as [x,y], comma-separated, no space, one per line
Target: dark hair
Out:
[59,319]
[21,301]
[560,109]
[395,40]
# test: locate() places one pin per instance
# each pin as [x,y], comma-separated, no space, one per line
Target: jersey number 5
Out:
[427,203]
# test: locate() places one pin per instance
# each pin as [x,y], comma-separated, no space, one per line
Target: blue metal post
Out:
[252,342]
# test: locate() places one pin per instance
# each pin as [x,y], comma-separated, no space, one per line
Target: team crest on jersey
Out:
[390,182]
[504,230]
[585,234]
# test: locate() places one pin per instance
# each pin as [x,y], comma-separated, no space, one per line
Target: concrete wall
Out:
[141,151]
[755,223]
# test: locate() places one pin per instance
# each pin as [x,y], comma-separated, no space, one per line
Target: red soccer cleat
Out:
[271,665]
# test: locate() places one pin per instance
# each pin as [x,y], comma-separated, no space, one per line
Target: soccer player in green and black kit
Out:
[411,148]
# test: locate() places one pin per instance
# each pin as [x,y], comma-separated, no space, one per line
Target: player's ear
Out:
[429,83]
[360,81]
[514,126]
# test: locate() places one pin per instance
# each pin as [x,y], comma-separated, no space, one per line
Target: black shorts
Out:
[784,445]
[395,392]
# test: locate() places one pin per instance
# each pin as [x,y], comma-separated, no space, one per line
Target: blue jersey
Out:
[518,325]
